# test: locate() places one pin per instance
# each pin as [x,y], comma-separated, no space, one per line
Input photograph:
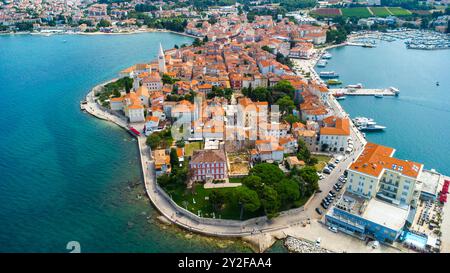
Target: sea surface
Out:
[418,120]
[66,176]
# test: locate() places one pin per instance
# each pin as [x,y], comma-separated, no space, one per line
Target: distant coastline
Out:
[138,31]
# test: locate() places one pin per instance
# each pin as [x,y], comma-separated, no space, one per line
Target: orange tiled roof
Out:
[375,158]
[342,128]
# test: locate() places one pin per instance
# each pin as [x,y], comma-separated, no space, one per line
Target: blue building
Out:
[373,218]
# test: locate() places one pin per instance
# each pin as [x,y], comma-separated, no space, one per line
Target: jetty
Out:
[362,92]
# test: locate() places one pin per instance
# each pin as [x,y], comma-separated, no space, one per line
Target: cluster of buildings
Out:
[382,196]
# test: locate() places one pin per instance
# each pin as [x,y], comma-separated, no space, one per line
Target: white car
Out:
[333,229]
[318,242]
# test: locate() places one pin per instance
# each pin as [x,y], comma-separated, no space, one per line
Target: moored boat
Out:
[327,56]
[334,82]
[328,74]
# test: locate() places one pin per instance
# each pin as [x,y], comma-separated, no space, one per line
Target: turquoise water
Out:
[418,121]
[65,176]
[419,241]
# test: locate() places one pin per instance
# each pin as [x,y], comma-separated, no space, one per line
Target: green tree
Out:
[217,199]
[311,179]
[197,42]
[103,23]
[174,162]
[153,140]
[269,173]
[288,191]
[270,201]
[281,89]
[285,104]
[253,182]
[291,119]
[303,151]
[248,199]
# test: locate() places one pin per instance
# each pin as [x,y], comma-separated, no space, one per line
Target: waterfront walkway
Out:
[362,91]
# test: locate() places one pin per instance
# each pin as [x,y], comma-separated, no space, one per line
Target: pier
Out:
[362,92]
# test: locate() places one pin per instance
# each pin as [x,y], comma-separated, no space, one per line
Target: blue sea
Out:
[66,176]
[417,121]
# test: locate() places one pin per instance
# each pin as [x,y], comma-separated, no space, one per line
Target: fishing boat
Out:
[328,74]
[334,82]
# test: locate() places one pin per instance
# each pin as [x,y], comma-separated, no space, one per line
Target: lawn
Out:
[322,161]
[189,148]
[185,198]
[380,11]
[399,11]
[356,12]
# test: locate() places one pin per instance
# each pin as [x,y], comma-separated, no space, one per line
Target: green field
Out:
[322,161]
[380,11]
[191,147]
[356,12]
[399,11]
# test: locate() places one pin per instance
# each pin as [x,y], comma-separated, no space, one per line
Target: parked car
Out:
[333,229]
[326,170]
[319,211]
[325,206]
[318,242]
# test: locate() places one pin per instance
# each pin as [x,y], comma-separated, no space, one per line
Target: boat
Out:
[322,63]
[379,96]
[340,98]
[367,124]
[437,83]
[327,56]
[334,82]
[371,127]
[396,91]
[328,74]
[358,85]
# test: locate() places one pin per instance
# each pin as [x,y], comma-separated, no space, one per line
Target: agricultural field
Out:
[356,12]
[326,12]
[399,11]
[380,11]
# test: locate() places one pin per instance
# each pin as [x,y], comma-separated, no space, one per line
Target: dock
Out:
[362,91]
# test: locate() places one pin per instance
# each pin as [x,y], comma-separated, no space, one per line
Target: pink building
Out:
[208,165]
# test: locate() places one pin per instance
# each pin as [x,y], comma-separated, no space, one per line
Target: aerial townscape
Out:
[242,133]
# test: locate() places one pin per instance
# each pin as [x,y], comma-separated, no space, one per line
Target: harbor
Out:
[337,92]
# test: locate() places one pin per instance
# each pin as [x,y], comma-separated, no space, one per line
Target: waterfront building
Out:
[376,173]
[206,165]
[335,134]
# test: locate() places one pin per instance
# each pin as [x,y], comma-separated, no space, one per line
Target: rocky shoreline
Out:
[302,246]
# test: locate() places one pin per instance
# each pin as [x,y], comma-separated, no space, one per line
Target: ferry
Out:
[327,56]
[328,74]
[334,82]
[358,86]
[322,63]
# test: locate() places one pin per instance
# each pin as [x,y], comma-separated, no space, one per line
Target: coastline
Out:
[138,31]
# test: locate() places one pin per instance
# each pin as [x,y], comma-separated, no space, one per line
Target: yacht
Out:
[328,74]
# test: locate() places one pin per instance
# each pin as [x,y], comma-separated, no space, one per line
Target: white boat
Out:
[367,124]
[328,74]
[395,90]
[340,98]
[358,85]
[322,63]
[327,56]
[371,127]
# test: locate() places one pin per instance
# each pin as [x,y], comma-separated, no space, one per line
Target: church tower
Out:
[161,60]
